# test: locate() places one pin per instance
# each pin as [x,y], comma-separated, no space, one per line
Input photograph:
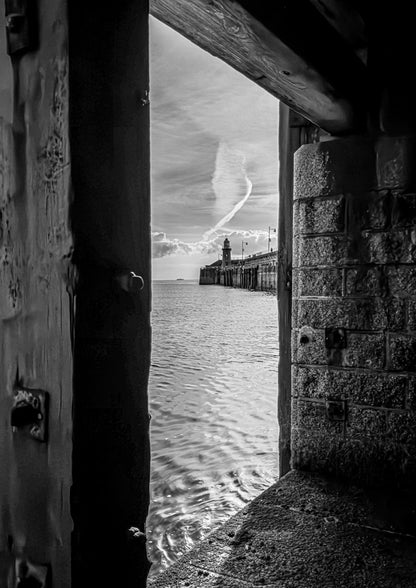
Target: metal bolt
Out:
[336,410]
[135,533]
[335,338]
[29,413]
[130,282]
[14,22]
[31,574]
[146,100]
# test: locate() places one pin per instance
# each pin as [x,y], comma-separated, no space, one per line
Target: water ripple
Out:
[213,389]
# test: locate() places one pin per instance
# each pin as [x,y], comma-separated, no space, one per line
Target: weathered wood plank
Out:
[290,139]
[289,49]
[35,309]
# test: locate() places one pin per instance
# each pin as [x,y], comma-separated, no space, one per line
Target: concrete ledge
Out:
[306,531]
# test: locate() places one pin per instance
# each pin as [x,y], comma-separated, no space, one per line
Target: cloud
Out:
[162,245]
[211,128]
[229,180]
[232,213]
[255,234]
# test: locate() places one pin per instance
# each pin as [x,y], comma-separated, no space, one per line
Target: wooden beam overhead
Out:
[288,48]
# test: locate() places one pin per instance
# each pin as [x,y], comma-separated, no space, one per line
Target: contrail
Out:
[230,215]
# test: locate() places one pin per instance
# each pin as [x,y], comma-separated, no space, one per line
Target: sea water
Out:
[213,397]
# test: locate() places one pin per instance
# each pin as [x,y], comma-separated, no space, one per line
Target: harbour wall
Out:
[258,272]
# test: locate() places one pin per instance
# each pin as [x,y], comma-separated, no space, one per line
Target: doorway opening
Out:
[213,380]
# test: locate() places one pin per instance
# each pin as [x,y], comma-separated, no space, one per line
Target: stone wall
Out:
[354,311]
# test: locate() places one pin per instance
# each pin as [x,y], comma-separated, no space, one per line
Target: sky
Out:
[214,155]
[214,158]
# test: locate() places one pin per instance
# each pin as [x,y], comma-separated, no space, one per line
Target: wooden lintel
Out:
[289,49]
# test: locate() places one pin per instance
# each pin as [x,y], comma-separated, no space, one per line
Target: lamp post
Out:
[269,240]
[242,249]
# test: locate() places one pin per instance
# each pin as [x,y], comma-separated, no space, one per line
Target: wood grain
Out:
[290,50]
[35,309]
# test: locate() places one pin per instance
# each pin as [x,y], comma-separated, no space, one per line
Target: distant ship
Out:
[177,279]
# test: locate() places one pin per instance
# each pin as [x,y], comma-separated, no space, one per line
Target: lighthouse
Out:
[226,254]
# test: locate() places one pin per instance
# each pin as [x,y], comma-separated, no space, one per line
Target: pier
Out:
[255,272]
